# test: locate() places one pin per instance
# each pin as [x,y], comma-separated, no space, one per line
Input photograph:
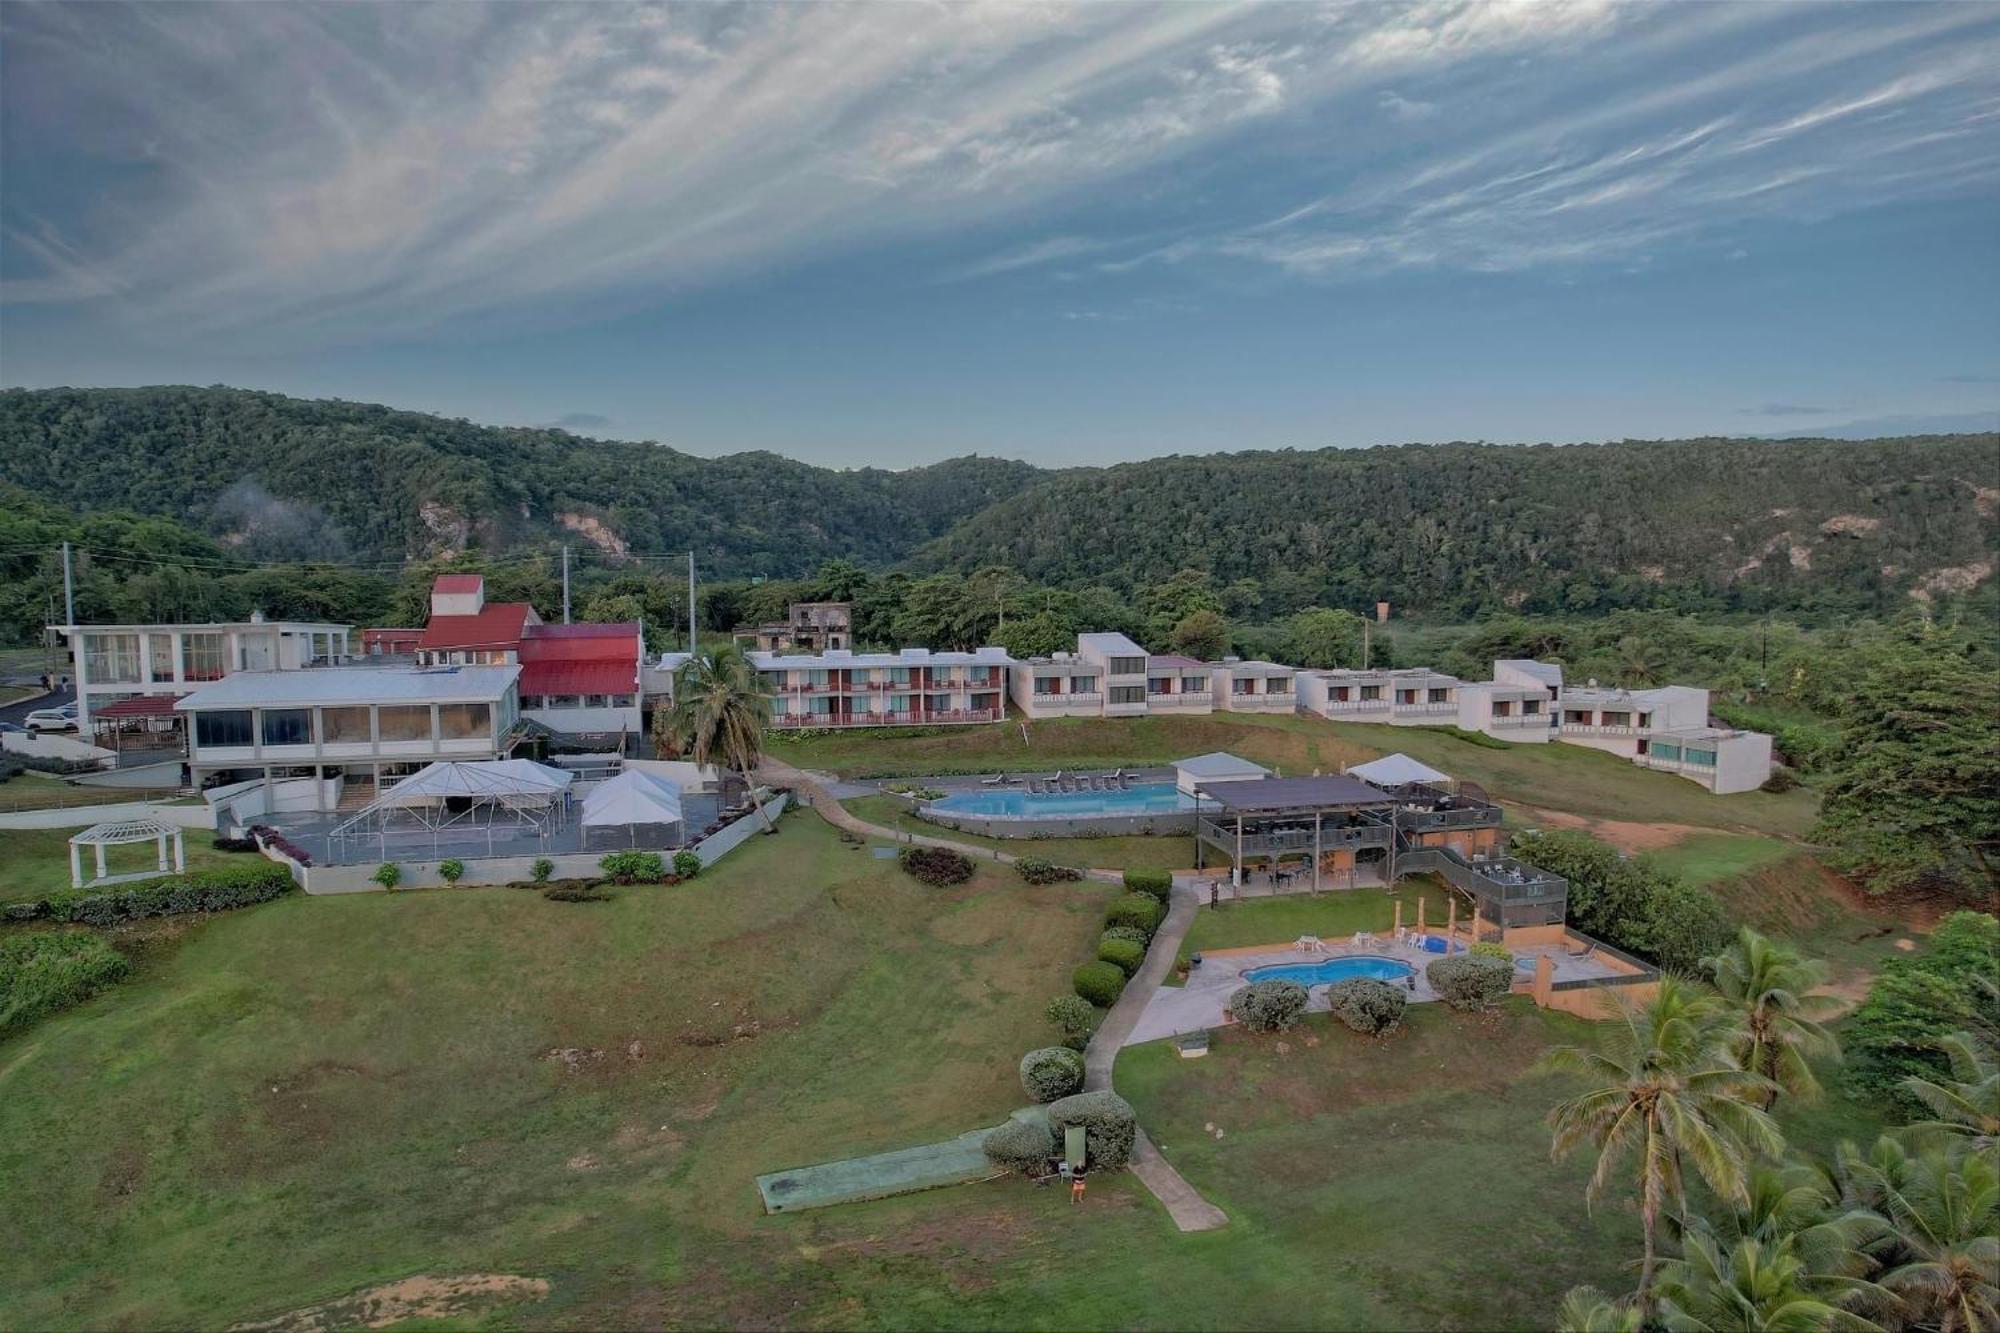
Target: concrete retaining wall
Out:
[83,816]
[1179,823]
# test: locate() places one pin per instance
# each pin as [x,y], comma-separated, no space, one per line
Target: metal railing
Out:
[1268,841]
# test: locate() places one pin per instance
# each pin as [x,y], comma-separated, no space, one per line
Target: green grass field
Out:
[1705,857]
[35,862]
[1134,853]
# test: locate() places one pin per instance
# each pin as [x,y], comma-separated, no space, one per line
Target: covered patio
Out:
[1339,827]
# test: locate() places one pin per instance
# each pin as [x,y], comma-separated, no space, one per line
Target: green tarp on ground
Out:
[952,1162]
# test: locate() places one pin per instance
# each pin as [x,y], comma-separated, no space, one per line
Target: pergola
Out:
[99,836]
[1270,818]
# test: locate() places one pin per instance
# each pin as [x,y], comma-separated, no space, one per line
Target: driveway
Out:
[19,712]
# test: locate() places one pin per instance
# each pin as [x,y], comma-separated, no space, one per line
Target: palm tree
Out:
[1969,1101]
[1588,1310]
[1779,1034]
[1666,1090]
[718,715]
[1799,1207]
[1756,1286]
[1940,1245]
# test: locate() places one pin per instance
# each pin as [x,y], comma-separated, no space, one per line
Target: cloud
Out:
[1785,410]
[580,421]
[1032,255]
[1403,108]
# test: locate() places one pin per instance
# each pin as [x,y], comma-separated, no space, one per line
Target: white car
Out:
[52,719]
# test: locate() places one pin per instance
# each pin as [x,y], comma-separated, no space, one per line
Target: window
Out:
[111,658]
[345,726]
[1242,685]
[1159,685]
[1128,666]
[203,657]
[219,727]
[1617,719]
[1194,684]
[1503,708]
[1440,696]
[597,701]
[1128,694]
[288,726]
[1371,691]
[535,700]
[404,722]
[1702,758]
[1530,707]
[771,681]
[1340,694]
[1577,718]
[465,722]
[160,656]
[1083,685]
[1662,750]
[1048,685]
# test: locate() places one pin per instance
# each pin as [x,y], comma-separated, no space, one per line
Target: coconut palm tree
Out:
[1588,1310]
[1968,1102]
[1665,1091]
[1755,1286]
[1940,1243]
[1799,1207]
[1770,989]
[718,715]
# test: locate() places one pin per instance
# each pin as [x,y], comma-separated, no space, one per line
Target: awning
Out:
[139,705]
[632,797]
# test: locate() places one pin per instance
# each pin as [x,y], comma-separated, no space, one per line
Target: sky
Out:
[886,234]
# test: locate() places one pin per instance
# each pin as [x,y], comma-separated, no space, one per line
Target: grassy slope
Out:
[34,862]
[1703,858]
[1136,853]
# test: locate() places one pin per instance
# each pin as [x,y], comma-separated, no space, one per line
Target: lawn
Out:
[1133,853]
[35,862]
[1705,857]
[1797,899]
[1328,915]
[30,790]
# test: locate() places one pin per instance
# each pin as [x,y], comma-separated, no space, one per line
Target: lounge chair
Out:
[1125,780]
[993,781]
[1034,786]
[1585,952]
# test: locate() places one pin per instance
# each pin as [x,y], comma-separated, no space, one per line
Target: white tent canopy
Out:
[1394,770]
[478,800]
[488,779]
[632,798]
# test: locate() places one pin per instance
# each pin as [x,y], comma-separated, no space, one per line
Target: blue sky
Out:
[888,234]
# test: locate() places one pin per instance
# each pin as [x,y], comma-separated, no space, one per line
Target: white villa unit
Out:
[1064,685]
[1507,712]
[1178,684]
[1253,686]
[1721,760]
[840,688]
[1111,676]
[1405,697]
[1621,721]
[118,662]
[1122,665]
[358,724]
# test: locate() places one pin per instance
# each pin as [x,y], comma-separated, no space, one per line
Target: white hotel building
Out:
[914,687]
[162,662]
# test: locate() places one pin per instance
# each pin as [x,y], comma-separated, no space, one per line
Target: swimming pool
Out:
[1142,798]
[1332,970]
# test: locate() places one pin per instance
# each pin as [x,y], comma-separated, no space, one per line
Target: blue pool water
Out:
[1333,969]
[1143,798]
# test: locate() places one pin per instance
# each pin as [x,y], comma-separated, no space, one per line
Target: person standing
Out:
[1076,1189]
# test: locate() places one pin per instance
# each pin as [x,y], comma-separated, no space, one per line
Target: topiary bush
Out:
[388,875]
[1154,883]
[1269,1006]
[1051,1073]
[1125,954]
[451,870]
[1021,1145]
[937,866]
[633,867]
[1100,983]
[1073,1016]
[687,864]
[1469,982]
[197,891]
[1035,870]
[542,869]
[1109,1126]
[1141,911]
[1366,1005]
[47,970]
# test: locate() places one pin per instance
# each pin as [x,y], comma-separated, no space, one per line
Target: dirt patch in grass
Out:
[421,1297]
[1625,835]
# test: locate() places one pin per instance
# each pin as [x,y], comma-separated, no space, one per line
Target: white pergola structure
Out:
[464,801]
[99,836]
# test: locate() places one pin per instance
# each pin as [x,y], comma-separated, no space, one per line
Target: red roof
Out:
[451,583]
[565,678]
[499,625]
[580,659]
[140,705]
[624,629]
[391,635]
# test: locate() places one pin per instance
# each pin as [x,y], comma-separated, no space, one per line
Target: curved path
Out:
[1183,1203]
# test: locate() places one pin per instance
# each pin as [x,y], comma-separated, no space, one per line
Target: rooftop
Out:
[458,583]
[497,625]
[1611,694]
[1109,643]
[354,685]
[1219,764]
[1549,673]
[1280,794]
[1174,661]
[844,659]
[1257,666]
[212,626]
[1414,675]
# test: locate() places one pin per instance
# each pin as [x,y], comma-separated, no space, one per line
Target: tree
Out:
[1203,635]
[718,715]
[1322,638]
[1756,1285]
[1940,1246]
[1914,1003]
[1913,791]
[1588,1310]
[1967,1103]
[1665,1092]
[1770,989]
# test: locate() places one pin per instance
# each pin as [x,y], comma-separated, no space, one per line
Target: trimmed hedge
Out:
[1469,981]
[1366,1005]
[576,891]
[1132,933]
[44,971]
[1021,1145]
[1109,1126]
[1127,955]
[687,864]
[1100,983]
[1051,1073]
[1155,883]
[1035,870]
[936,866]
[1269,1006]
[1141,911]
[1074,1017]
[197,891]
[633,867]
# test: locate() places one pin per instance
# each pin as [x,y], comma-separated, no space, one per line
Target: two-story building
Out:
[914,687]
[1722,760]
[146,668]
[1622,721]
[1237,686]
[808,627]
[1178,684]
[1122,666]
[1404,697]
[1060,685]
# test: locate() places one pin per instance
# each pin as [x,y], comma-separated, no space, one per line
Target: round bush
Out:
[1109,1126]
[1021,1145]
[1101,983]
[1366,1005]
[1269,1006]
[388,875]
[1154,883]
[1127,955]
[541,870]
[1051,1073]
[1035,870]
[1141,911]
[1469,981]
[687,864]
[451,870]
[1132,933]
[1071,1015]
[937,866]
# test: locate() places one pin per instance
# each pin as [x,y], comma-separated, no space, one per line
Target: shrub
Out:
[1051,1073]
[1141,911]
[1781,780]
[687,864]
[633,867]
[1469,982]
[1156,883]
[1126,954]
[541,870]
[1491,949]
[388,875]
[1100,983]
[576,891]
[44,971]
[1915,1002]
[197,891]
[1037,871]
[1132,933]
[451,870]
[1366,1005]
[936,866]
[1269,1006]
[1021,1145]
[1071,1015]
[1109,1127]
[222,844]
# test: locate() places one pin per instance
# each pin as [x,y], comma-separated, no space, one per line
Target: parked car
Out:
[12,729]
[52,719]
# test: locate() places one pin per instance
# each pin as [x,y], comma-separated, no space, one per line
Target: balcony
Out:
[1521,720]
[1157,701]
[1261,703]
[1064,700]
[1599,729]
[1429,821]
[1349,706]
[1427,709]
[850,721]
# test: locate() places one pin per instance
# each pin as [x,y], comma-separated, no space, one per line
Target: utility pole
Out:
[565,585]
[691,639]
[1367,643]
[69,590]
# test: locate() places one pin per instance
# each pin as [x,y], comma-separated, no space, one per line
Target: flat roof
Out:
[1257,666]
[1175,662]
[1702,734]
[1278,794]
[1412,674]
[209,626]
[354,685]
[1548,673]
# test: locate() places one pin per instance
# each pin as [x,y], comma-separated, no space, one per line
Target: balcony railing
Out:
[914,717]
[1357,705]
[1521,720]
[1268,842]
[1600,729]
[1178,701]
[1427,821]
[1428,708]
[1065,700]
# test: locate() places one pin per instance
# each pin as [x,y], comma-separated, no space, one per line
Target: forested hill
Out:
[278,477]
[1462,529]
[1447,530]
